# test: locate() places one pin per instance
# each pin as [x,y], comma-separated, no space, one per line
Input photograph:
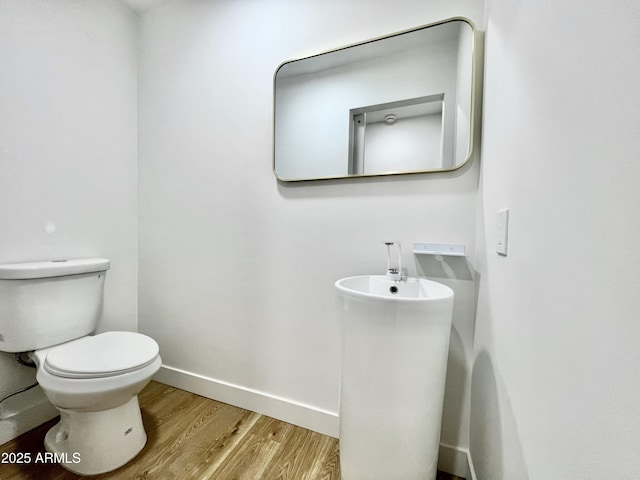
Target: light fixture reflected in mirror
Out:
[390,118]
[332,111]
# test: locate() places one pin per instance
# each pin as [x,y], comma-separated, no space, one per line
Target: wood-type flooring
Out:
[195,438]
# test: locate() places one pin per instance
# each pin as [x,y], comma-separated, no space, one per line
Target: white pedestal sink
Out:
[395,347]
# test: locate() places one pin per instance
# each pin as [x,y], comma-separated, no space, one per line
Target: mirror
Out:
[403,103]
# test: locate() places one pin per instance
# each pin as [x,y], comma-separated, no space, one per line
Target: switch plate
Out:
[502,231]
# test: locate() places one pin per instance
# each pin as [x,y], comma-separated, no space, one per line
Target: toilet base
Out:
[90,443]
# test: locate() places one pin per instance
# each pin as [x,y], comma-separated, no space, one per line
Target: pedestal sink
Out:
[395,347]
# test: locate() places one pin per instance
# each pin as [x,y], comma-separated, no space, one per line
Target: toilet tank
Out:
[46,303]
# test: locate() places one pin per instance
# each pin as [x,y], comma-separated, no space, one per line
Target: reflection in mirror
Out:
[414,143]
[398,104]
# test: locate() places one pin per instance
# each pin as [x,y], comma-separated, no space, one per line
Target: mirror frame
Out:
[472,114]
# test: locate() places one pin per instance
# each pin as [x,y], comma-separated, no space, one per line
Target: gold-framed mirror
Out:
[402,103]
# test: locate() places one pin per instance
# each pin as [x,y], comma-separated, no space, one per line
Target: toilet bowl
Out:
[94,382]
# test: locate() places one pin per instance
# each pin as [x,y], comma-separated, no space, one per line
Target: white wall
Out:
[68,148]
[556,384]
[415,143]
[237,270]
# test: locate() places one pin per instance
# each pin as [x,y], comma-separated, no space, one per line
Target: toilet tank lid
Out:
[52,268]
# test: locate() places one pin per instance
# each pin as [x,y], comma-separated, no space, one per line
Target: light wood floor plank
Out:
[212,457]
[195,438]
[255,453]
[292,461]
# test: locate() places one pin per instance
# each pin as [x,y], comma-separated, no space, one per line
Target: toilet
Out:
[50,310]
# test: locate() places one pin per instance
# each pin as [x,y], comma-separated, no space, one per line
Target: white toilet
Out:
[49,309]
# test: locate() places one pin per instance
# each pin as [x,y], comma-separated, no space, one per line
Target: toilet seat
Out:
[104,355]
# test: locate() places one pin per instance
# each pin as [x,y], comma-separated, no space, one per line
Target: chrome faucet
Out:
[394,273]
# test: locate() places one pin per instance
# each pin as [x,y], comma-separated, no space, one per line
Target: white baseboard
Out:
[472,471]
[307,416]
[454,460]
[27,411]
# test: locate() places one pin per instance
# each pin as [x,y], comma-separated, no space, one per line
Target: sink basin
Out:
[379,287]
[395,338]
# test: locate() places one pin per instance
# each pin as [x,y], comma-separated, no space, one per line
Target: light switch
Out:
[502,231]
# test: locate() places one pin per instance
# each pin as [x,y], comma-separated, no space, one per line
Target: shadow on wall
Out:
[494,441]
[457,274]
[454,406]
[444,267]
